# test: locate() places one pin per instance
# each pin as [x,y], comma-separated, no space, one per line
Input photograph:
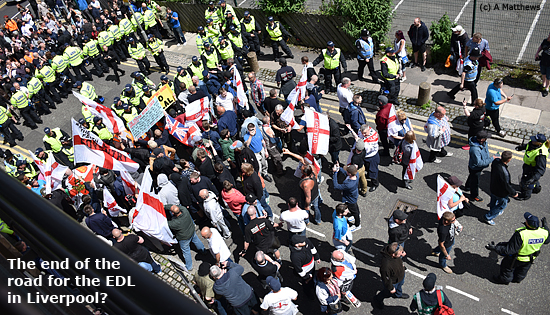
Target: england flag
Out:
[415,163]
[197,110]
[295,96]
[53,172]
[444,193]
[242,100]
[318,131]
[109,117]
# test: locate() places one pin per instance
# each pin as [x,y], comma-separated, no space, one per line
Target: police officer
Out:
[156,47]
[534,165]
[224,9]
[164,80]
[226,49]
[61,66]
[365,54]
[68,150]
[230,20]
[238,42]
[332,58]
[90,49]
[8,127]
[74,55]
[87,90]
[211,13]
[210,57]
[182,76]
[389,68]
[467,80]
[118,43]
[105,38]
[201,39]
[150,21]
[251,31]
[52,139]
[20,100]
[146,94]
[140,81]
[37,94]
[131,97]
[277,33]
[128,113]
[126,28]
[117,106]
[137,52]
[521,250]
[212,30]
[47,75]
[30,170]
[85,124]
[112,60]
[196,68]
[101,131]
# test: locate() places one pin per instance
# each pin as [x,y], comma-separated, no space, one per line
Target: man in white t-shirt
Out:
[345,97]
[295,217]
[217,245]
[279,300]
[225,99]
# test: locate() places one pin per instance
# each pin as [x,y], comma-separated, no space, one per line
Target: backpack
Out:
[398,155]
[442,309]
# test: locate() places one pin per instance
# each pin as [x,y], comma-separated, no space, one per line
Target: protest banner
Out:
[147,118]
[165,96]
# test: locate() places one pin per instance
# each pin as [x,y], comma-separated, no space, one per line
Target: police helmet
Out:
[246,13]
[365,32]
[194,59]
[200,28]
[164,77]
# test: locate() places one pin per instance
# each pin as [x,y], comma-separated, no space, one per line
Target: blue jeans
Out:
[218,306]
[385,293]
[264,204]
[315,205]
[340,245]
[186,249]
[154,267]
[443,259]
[496,205]
[179,35]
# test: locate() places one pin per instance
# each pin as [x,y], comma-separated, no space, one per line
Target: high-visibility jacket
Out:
[226,51]
[11,25]
[118,111]
[531,154]
[222,13]
[170,84]
[69,152]
[34,86]
[149,18]
[275,33]
[136,52]
[105,38]
[102,132]
[393,66]
[55,141]
[201,40]
[11,167]
[73,55]
[4,115]
[59,63]
[234,21]
[250,25]
[156,46]
[138,85]
[128,117]
[90,48]
[212,32]
[125,26]
[134,100]
[472,74]
[211,14]
[331,62]
[185,79]
[115,31]
[29,171]
[532,241]
[197,69]
[139,19]
[19,100]
[211,58]
[88,90]
[46,74]
[88,116]
[236,39]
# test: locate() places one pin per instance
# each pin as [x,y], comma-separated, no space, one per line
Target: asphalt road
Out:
[469,288]
[10,9]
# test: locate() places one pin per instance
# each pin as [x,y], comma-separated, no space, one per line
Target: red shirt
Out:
[235,200]
[382,117]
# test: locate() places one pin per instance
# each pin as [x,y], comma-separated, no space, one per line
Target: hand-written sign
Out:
[147,118]
[165,96]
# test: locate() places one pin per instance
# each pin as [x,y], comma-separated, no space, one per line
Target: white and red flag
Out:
[149,215]
[197,109]
[415,163]
[444,193]
[110,118]
[129,183]
[85,172]
[311,160]
[110,203]
[318,131]
[295,96]
[184,133]
[53,172]
[88,148]
[242,100]
[393,125]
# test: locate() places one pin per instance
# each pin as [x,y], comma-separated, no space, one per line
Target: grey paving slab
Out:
[521,113]
[544,119]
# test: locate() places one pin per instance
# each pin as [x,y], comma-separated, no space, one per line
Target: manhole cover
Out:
[403,206]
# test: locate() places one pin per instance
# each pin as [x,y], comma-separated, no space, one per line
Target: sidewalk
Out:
[527,114]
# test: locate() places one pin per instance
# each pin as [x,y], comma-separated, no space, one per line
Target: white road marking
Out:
[508,311]
[414,273]
[397,6]
[535,20]
[362,251]
[242,3]
[475,298]
[461,11]
[307,229]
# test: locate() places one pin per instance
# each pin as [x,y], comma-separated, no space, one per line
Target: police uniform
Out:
[210,57]
[251,30]
[137,51]
[74,56]
[61,66]
[156,47]
[196,68]
[8,128]
[276,33]
[331,63]
[225,49]
[222,11]
[126,29]
[521,250]
[118,44]
[534,166]
[87,90]
[47,75]
[53,143]
[38,95]
[471,68]
[212,13]
[102,132]
[239,44]
[21,101]
[183,76]
[201,39]
[91,50]
[151,25]
[365,50]
[390,67]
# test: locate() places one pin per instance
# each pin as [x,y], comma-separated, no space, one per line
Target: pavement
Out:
[526,114]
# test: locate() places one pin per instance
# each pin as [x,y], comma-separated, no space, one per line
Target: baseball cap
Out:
[164,77]
[209,21]
[246,13]
[221,38]
[250,198]
[382,100]
[179,69]
[236,145]
[532,220]
[457,28]
[157,151]
[13,89]
[270,19]
[77,83]
[207,44]
[130,39]
[36,152]
[20,163]
[81,121]
[195,59]
[125,106]
[400,215]
[96,119]
[47,130]
[453,180]
[150,36]
[538,138]
[330,44]
[390,50]
[273,283]
[116,99]
[200,28]
[429,282]
[232,27]
[128,87]
[221,1]
[296,239]
[145,88]
[360,145]
[475,52]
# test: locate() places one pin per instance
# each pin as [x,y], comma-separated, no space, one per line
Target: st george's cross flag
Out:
[242,100]
[184,133]
[110,203]
[415,163]
[109,117]
[88,148]
[311,160]
[52,171]
[295,96]
[197,109]
[129,183]
[149,215]
[444,193]
[393,124]
[318,131]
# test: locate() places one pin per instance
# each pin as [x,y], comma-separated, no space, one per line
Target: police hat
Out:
[164,77]
[475,52]
[179,69]
[538,138]
[221,38]
[77,84]
[232,27]
[365,32]
[128,87]
[390,50]
[65,139]
[145,88]
[330,44]
[228,12]
[86,38]
[209,21]
[150,36]
[211,3]
[125,106]
[221,1]
[13,89]
[99,29]
[130,39]
[96,119]
[47,130]
[20,163]
[200,28]
[36,152]
[270,19]
[206,44]
[195,59]
[116,99]
[246,13]
[80,121]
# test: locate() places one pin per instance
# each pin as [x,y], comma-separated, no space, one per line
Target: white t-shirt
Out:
[217,245]
[345,96]
[280,303]
[295,220]
[226,102]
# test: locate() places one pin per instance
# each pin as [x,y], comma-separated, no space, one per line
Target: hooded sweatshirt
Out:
[184,190]
[212,208]
[479,155]
[232,286]
[392,270]
[168,193]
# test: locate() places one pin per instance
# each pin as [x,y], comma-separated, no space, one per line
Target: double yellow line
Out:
[16,149]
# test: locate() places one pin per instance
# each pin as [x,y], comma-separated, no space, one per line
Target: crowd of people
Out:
[223,170]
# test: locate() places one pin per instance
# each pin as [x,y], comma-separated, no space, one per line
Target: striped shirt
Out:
[257,91]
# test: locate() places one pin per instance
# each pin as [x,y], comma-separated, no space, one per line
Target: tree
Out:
[275,7]
[441,33]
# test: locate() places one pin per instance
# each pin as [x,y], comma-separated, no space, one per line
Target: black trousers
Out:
[121,49]
[434,154]
[275,46]
[512,269]
[361,69]
[116,70]
[161,61]
[354,211]
[254,43]
[68,73]
[50,89]
[11,132]
[155,31]
[30,117]
[328,78]
[78,69]
[45,98]
[473,182]
[144,65]
[494,114]
[468,85]
[393,86]
[383,135]
[97,65]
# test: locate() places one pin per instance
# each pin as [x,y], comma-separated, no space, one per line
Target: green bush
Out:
[441,33]
[275,7]
[374,15]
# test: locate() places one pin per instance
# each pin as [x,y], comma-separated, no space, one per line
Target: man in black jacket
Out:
[398,228]
[244,154]
[501,187]
[419,34]
[303,256]
[392,272]
[113,60]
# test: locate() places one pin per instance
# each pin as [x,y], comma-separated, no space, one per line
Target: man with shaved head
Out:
[214,211]
[344,269]
[131,246]
[183,228]
[217,245]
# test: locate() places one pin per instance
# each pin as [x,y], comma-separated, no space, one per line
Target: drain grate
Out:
[403,206]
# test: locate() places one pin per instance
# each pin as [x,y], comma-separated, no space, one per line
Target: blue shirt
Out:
[483,44]
[493,95]
[175,23]
[256,142]
[41,184]
[228,121]
[214,137]
[313,104]
[259,212]
[340,226]
[250,120]
[349,188]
